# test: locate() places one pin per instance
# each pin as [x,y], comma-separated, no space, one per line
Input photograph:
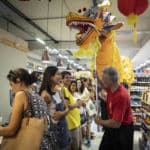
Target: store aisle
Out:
[96,141]
[137,136]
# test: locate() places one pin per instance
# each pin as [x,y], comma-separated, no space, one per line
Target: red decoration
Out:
[132,9]
[126,7]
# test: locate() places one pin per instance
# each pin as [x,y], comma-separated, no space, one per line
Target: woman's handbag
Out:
[83,118]
[28,137]
[91,108]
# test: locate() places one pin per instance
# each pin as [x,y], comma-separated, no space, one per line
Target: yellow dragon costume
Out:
[97,37]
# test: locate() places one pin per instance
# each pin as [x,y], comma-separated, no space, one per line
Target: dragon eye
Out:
[84,9]
[79,11]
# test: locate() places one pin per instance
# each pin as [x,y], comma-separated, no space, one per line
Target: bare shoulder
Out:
[21,98]
[45,94]
[21,95]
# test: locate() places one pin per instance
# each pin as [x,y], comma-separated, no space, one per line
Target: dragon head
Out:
[95,38]
[95,25]
[85,25]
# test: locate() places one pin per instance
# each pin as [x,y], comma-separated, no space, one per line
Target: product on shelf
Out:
[144,82]
[139,95]
[147,120]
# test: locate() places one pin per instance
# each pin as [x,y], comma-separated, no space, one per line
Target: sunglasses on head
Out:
[13,76]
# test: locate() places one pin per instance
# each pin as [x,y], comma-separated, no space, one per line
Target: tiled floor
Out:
[96,141]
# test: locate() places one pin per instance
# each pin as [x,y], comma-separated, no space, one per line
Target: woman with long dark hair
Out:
[56,104]
[73,87]
[20,82]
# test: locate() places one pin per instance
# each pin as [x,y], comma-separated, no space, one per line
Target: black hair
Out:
[73,81]
[64,73]
[81,90]
[46,82]
[84,79]
[22,75]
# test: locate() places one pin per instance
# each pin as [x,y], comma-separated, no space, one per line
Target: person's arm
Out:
[65,112]
[78,104]
[46,97]
[103,95]
[99,80]
[67,96]
[111,123]
[119,110]
[60,114]
[16,115]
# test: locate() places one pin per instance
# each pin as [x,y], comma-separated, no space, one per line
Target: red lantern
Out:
[132,9]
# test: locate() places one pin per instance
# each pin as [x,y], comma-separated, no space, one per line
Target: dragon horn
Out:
[105,4]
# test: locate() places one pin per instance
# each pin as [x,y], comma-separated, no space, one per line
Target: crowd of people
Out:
[69,106]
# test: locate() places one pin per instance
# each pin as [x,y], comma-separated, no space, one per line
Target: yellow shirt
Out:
[73,116]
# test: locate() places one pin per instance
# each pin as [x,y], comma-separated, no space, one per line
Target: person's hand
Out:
[79,103]
[103,95]
[84,103]
[58,115]
[95,74]
[97,119]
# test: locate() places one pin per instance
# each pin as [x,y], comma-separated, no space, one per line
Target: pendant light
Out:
[59,63]
[68,66]
[45,57]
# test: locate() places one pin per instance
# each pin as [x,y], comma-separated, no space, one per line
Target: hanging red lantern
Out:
[132,9]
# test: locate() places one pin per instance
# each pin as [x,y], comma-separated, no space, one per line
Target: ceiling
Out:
[50,17]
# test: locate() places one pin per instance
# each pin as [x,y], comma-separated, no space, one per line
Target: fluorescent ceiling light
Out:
[75,64]
[70,61]
[65,57]
[46,47]
[55,51]
[40,68]
[60,55]
[45,57]
[147,61]
[40,41]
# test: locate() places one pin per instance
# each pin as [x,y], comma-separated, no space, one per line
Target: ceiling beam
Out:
[27,19]
[48,18]
[18,26]
[51,40]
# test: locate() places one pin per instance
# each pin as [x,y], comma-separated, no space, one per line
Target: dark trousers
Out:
[118,139]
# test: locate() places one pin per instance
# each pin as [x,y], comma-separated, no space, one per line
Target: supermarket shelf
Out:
[147,103]
[137,123]
[143,145]
[137,90]
[146,112]
[136,97]
[137,113]
[146,136]
[136,105]
[146,125]
[140,82]
[142,75]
